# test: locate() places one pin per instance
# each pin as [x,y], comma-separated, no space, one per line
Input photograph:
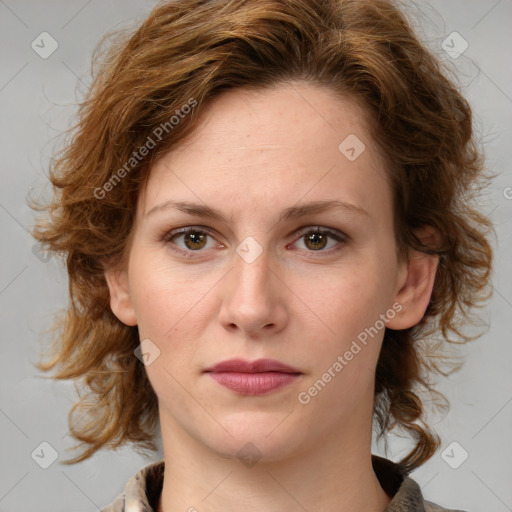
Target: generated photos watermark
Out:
[141,152]
[304,397]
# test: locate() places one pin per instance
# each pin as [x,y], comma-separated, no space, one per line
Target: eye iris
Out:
[195,238]
[318,240]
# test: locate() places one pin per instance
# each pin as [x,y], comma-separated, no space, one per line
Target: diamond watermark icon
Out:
[249,249]
[44,45]
[351,147]
[454,455]
[454,45]
[45,455]
[147,352]
[248,455]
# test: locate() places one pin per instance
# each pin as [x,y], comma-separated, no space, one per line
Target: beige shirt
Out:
[142,490]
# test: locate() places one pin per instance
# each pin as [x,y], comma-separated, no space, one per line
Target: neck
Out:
[331,477]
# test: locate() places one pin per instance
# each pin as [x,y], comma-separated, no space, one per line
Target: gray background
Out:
[37,102]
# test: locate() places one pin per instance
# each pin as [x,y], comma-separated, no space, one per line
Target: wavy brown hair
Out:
[195,49]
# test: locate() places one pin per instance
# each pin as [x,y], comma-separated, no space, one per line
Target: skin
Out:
[254,154]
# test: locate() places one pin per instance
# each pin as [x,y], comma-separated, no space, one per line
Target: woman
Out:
[267,215]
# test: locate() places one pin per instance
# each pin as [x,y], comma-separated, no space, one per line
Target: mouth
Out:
[258,366]
[253,378]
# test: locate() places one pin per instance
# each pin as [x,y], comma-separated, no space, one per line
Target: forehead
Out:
[273,146]
[285,115]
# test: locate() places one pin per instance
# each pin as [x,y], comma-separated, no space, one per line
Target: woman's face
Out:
[258,283]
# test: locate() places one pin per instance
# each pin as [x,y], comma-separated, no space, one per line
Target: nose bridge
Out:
[251,264]
[250,301]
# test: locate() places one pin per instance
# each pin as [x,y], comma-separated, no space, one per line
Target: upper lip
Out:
[257,366]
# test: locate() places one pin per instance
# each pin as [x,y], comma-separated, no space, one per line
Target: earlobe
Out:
[120,299]
[416,285]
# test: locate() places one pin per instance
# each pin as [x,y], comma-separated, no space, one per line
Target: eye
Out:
[193,239]
[315,240]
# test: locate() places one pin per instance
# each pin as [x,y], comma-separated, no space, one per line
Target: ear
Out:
[120,299]
[416,282]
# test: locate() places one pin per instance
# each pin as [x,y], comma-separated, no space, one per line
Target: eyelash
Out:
[168,237]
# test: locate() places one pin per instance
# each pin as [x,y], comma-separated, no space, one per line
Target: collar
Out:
[143,490]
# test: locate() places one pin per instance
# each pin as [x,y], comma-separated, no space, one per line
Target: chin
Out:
[255,437]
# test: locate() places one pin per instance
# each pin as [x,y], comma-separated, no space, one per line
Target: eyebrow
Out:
[310,208]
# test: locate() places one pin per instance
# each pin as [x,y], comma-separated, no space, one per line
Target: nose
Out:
[254,298]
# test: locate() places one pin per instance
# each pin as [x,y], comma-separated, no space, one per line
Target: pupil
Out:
[314,238]
[195,238]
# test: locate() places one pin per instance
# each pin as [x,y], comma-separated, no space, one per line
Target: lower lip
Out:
[254,383]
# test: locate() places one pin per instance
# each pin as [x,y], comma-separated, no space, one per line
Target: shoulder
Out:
[116,506]
[141,492]
[405,492]
[432,507]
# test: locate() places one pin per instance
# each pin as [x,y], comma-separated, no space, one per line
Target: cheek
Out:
[347,327]
[347,340]
[346,300]
[166,297]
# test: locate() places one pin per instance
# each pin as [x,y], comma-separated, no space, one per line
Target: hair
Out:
[187,52]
